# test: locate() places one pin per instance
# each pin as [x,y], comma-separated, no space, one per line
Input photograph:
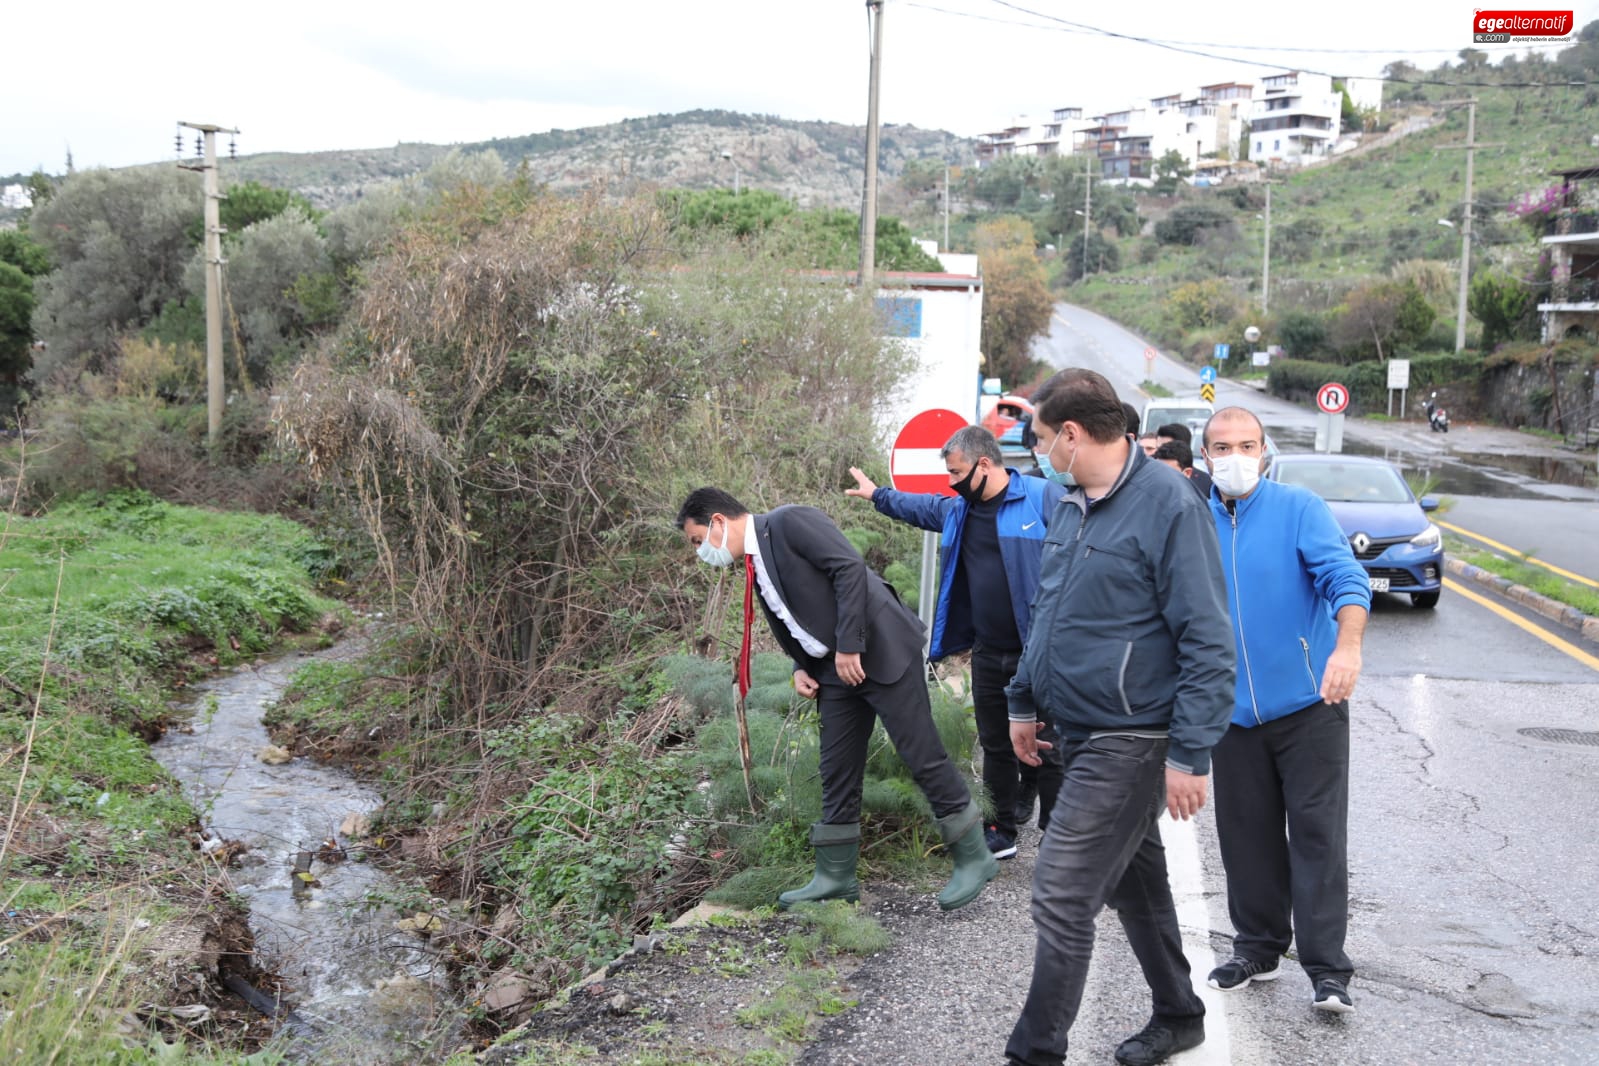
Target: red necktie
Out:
[749,619]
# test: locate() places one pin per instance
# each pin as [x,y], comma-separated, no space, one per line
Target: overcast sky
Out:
[109,80]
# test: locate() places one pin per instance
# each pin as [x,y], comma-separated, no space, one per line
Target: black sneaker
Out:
[1238,971]
[1000,845]
[1160,1040]
[1333,995]
[1025,802]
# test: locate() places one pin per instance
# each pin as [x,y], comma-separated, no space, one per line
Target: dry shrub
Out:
[529,388]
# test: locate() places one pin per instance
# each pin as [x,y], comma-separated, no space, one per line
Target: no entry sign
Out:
[915,465]
[1332,398]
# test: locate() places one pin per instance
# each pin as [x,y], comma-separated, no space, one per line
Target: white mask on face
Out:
[1236,474]
[716,556]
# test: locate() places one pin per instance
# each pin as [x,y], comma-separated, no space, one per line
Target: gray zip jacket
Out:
[1130,632]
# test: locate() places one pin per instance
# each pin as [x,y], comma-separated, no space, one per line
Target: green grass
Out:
[1540,581]
[105,603]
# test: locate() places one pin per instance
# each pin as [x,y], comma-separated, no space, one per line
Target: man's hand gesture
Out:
[864,486]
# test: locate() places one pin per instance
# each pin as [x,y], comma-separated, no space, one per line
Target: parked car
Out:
[1011,422]
[1388,528]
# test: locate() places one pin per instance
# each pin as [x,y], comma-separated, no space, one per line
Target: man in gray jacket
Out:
[1131,656]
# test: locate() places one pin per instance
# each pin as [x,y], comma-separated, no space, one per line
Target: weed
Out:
[1542,582]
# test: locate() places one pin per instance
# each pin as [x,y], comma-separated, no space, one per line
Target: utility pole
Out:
[874,15]
[1470,147]
[1088,206]
[1265,260]
[946,209]
[216,388]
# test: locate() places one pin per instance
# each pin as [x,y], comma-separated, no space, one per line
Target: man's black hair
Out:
[1132,418]
[704,502]
[1082,396]
[1177,431]
[1177,450]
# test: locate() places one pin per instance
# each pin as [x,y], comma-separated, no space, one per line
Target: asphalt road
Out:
[1474,847]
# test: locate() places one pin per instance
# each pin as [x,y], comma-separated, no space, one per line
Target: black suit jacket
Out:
[834,596]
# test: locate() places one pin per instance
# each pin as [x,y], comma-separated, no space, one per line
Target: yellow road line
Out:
[1518,556]
[1515,619]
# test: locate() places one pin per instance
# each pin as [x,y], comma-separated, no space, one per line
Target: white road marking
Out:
[1193,915]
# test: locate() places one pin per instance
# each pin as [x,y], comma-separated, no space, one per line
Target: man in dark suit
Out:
[857,649]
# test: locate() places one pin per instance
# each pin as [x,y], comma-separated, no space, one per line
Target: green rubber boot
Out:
[974,865]
[838,848]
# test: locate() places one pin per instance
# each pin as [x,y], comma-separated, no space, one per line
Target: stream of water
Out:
[362,992]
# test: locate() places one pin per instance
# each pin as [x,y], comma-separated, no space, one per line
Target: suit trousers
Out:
[1282,818]
[847,715]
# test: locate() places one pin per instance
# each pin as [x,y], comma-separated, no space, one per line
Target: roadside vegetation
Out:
[107,907]
[487,401]
[1521,571]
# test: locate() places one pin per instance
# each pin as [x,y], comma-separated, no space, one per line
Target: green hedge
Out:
[1298,379]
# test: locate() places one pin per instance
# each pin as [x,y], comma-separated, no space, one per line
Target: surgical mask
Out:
[966,491]
[713,555]
[1235,474]
[1059,477]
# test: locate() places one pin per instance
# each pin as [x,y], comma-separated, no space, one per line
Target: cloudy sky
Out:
[109,80]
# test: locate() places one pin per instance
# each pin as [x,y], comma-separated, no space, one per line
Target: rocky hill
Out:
[817,163]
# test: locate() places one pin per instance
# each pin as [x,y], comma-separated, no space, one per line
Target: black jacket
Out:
[834,596]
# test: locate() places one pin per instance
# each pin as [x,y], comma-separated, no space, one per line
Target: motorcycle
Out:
[1437,417]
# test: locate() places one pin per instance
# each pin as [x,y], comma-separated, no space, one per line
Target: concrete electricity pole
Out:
[1265,257]
[946,209]
[1470,147]
[874,15]
[215,386]
[1088,207]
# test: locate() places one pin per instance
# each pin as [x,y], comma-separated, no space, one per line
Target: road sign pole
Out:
[929,587]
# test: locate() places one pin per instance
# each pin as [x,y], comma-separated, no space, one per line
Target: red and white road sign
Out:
[1332,398]
[915,465]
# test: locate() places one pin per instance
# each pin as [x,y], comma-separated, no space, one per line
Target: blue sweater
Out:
[1297,573]
[1022,521]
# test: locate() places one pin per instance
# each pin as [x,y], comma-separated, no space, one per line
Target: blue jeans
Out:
[1102,848]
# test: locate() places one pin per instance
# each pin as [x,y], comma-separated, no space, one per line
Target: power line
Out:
[1070,26]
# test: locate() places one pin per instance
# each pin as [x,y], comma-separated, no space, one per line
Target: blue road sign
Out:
[1207,374]
[1222,350]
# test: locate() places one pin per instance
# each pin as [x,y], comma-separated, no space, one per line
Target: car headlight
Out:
[1430,537]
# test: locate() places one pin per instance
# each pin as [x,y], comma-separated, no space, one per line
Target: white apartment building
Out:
[15,197]
[1294,119]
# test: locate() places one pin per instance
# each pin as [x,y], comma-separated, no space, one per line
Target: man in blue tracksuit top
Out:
[993,538]
[1299,600]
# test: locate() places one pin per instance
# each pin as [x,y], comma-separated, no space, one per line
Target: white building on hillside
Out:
[1294,119]
[15,197]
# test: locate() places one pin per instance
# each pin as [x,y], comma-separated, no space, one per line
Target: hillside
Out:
[817,163]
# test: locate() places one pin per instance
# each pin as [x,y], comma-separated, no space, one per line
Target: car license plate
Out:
[1379,584]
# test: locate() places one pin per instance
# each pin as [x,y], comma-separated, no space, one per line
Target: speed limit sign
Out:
[1332,398]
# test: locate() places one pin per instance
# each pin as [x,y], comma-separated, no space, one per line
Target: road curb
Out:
[1553,610]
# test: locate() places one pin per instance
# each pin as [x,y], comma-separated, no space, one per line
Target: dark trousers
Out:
[1290,774]
[1004,775]
[1102,847]
[847,715]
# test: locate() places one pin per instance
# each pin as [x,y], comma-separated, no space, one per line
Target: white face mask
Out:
[722,556]
[1235,474]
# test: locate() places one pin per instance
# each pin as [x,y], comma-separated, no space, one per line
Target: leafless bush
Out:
[530,387]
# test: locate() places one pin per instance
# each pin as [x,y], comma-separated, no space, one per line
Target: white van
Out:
[1190,411]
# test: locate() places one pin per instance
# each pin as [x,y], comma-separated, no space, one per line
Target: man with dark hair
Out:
[993,540]
[1131,656]
[1175,454]
[858,651]
[1176,431]
[1133,420]
[1299,602]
